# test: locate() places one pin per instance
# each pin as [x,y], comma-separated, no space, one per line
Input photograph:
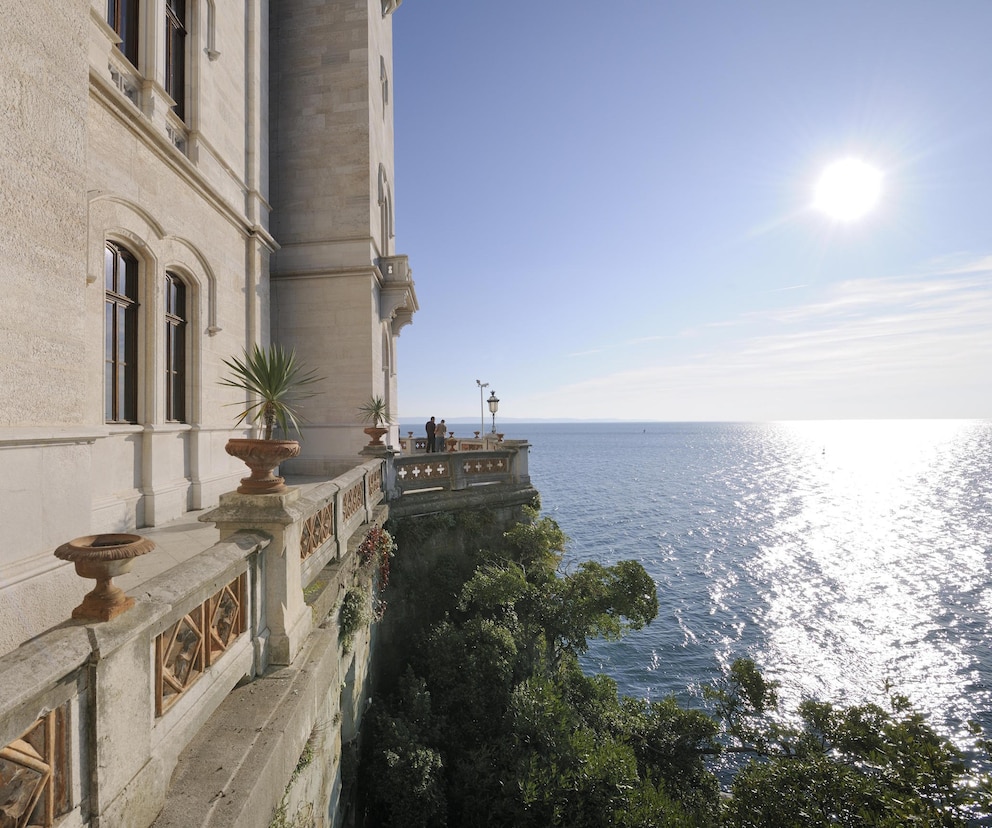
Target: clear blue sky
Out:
[608,208]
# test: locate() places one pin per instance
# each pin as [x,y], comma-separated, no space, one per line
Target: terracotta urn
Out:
[375,433]
[102,558]
[262,457]
[451,442]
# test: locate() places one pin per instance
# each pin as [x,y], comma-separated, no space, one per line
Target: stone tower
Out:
[339,292]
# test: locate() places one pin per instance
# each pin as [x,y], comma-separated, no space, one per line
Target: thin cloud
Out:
[868,345]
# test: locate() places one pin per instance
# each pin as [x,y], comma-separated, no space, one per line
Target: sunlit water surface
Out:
[838,555]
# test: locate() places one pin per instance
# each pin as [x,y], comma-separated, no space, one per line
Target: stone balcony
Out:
[194,707]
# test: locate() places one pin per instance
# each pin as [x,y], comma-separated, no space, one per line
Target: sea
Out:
[844,557]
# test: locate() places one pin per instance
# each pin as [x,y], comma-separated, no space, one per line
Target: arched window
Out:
[385,213]
[175,348]
[120,335]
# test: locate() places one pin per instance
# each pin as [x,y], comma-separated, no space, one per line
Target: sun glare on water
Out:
[848,189]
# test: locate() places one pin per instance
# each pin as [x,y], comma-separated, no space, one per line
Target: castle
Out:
[181,179]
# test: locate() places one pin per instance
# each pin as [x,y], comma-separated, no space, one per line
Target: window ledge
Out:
[37,436]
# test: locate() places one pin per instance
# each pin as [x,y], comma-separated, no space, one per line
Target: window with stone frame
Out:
[120,335]
[122,15]
[175,348]
[175,55]
[385,213]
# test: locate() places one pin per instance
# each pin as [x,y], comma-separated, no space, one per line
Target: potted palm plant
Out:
[375,411]
[276,382]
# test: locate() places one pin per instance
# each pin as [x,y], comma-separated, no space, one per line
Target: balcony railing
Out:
[90,712]
[94,716]
[455,470]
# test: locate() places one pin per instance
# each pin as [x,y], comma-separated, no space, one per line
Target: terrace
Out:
[201,698]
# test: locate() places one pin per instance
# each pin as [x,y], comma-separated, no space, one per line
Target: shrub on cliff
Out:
[523,737]
[857,766]
[494,724]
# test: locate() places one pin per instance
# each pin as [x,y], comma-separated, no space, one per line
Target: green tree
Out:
[496,725]
[572,769]
[854,766]
[518,620]
[554,614]
[672,745]
[404,777]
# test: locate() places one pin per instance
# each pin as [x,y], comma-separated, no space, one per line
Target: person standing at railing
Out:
[431,430]
[439,434]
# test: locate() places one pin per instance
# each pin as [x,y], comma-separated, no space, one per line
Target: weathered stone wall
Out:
[42,329]
[91,152]
[43,204]
[332,163]
[86,158]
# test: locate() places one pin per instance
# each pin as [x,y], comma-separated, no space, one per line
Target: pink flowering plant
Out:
[375,550]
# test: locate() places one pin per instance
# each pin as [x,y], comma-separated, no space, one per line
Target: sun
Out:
[848,189]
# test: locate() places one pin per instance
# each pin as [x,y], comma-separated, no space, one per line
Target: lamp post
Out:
[493,407]
[482,411]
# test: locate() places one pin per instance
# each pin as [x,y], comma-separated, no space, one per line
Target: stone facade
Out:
[337,286]
[92,153]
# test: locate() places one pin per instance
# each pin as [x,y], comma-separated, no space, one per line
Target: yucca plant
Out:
[374,411]
[277,379]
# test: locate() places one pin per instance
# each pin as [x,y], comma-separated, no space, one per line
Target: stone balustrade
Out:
[195,706]
[504,462]
[95,716]
[481,442]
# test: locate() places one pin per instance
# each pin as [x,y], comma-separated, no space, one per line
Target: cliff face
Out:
[331,687]
[435,549]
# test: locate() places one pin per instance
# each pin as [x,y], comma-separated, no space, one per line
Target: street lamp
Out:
[493,407]
[482,411]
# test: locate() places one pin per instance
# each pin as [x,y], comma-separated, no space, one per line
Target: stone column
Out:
[284,612]
[520,464]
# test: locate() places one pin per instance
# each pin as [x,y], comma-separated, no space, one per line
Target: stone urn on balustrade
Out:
[262,457]
[102,558]
[276,382]
[375,434]
[375,410]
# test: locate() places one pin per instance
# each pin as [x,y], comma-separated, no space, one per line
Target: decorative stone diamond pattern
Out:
[226,618]
[179,657]
[488,466]
[424,472]
[316,530]
[353,500]
[467,445]
[34,774]
[375,481]
[187,648]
